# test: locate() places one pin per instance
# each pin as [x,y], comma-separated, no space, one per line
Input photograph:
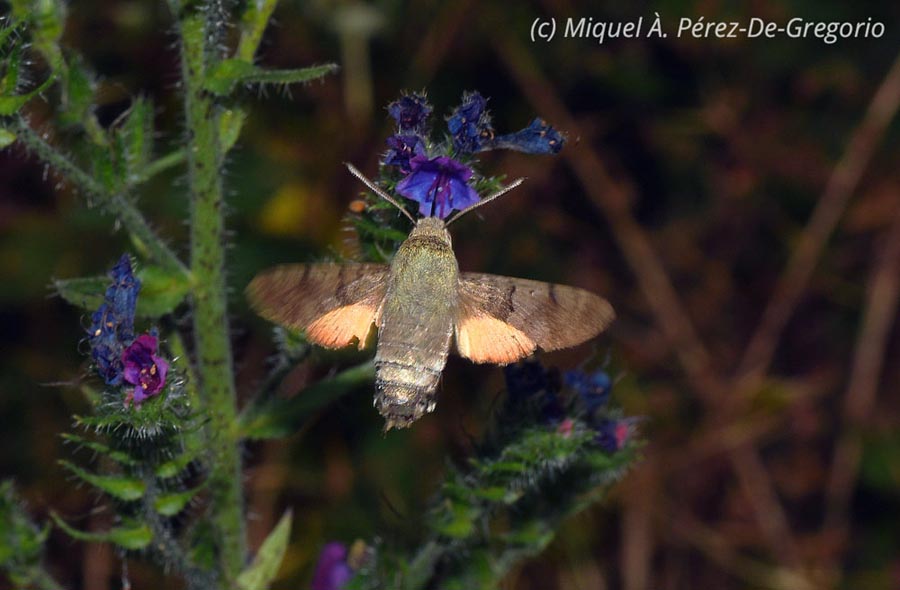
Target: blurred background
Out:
[737,200]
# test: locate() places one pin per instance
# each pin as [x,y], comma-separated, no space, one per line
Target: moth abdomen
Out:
[403,393]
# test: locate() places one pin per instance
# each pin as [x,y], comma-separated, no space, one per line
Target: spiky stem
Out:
[213,347]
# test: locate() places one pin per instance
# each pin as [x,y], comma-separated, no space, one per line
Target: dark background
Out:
[700,175]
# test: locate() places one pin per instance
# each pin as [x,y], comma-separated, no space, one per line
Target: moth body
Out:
[415,324]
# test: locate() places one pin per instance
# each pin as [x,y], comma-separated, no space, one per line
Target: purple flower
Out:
[440,185]
[613,435]
[593,389]
[566,428]
[402,149]
[143,369]
[411,112]
[470,124]
[332,571]
[537,138]
[112,325]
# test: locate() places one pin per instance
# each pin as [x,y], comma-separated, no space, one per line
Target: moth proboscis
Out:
[421,304]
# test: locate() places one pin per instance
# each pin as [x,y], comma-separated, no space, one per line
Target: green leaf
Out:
[9,105]
[173,503]
[161,291]
[498,494]
[280,417]
[460,521]
[176,465]
[7,29]
[294,76]
[78,99]
[227,74]
[10,83]
[122,487]
[119,457]
[106,164]
[85,292]
[132,534]
[46,19]
[7,138]
[264,568]
[230,124]
[534,533]
[135,138]
[21,541]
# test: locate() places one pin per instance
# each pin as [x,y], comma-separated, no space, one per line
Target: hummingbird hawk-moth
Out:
[421,306]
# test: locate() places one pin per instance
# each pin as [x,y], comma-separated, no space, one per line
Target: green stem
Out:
[170,552]
[254,20]
[43,580]
[422,566]
[161,164]
[129,215]
[213,347]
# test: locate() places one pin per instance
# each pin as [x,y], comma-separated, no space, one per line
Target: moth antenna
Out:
[487,199]
[378,190]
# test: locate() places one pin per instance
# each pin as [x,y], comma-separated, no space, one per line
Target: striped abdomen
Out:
[415,325]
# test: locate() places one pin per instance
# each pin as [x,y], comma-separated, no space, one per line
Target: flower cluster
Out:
[118,356]
[531,382]
[593,391]
[438,175]
[112,324]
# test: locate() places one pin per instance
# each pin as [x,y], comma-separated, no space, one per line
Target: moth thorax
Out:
[401,404]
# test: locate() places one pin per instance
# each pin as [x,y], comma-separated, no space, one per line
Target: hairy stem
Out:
[253,23]
[213,347]
[161,164]
[124,209]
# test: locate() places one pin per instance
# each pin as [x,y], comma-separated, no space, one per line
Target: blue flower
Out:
[470,124]
[402,149]
[537,138]
[440,185]
[593,389]
[411,112]
[332,571]
[112,325]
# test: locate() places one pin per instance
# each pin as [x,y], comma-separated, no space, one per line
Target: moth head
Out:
[432,227]
[378,191]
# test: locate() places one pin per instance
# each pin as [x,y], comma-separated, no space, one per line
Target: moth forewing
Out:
[335,304]
[504,319]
